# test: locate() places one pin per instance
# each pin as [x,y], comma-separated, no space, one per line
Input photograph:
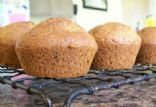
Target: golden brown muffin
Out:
[118,46]
[147,53]
[56,48]
[8,37]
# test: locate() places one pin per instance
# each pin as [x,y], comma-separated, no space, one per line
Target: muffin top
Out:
[148,35]
[57,31]
[114,32]
[10,33]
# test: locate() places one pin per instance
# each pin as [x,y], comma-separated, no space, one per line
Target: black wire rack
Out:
[94,81]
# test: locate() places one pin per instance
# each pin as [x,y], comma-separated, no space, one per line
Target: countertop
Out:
[138,95]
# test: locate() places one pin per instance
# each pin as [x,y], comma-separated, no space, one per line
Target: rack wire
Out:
[94,81]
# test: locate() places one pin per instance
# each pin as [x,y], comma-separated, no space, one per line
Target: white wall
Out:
[152,8]
[129,12]
[135,11]
[88,18]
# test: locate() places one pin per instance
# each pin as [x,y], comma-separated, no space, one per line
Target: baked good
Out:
[8,37]
[147,53]
[118,46]
[56,48]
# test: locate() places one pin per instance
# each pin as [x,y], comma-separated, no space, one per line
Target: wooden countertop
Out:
[138,95]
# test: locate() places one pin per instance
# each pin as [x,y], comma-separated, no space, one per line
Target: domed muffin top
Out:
[10,33]
[114,32]
[148,35]
[57,31]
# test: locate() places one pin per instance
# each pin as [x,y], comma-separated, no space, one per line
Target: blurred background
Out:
[87,13]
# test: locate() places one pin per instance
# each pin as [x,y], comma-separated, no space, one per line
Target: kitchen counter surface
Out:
[138,95]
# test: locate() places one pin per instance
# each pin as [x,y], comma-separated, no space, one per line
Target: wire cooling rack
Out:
[72,88]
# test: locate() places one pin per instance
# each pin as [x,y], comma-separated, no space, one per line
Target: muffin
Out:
[56,48]
[8,37]
[118,46]
[147,53]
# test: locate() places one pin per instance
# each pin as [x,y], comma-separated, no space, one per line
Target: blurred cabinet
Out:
[51,8]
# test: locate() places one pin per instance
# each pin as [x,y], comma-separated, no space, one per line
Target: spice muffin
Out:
[118,46]
[56,48]
[8,37]
[147,53]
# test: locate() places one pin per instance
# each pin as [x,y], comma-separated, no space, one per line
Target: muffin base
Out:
[8,56]
[56,62]
[115,56]
[147,54]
